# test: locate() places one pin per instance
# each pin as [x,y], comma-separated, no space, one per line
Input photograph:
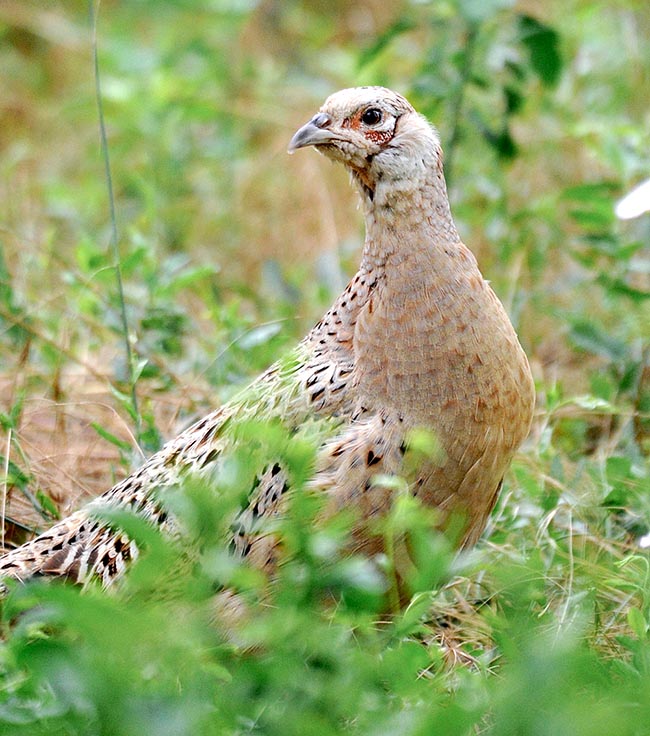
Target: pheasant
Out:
[417,340]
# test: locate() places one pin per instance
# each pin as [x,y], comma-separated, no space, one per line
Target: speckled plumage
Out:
[416,340]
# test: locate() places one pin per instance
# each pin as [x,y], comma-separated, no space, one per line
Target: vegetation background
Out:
[229,250]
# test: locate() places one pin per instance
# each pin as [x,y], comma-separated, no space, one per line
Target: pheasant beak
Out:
[314,133]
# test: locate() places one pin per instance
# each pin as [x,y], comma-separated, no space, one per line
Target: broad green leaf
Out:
[542,43]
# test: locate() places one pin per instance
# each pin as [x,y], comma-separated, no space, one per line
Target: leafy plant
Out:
[228,254]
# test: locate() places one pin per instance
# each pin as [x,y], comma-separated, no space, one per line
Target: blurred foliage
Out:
[312,651]
[229,251]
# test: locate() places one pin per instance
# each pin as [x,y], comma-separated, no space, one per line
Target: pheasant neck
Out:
[409,229]
[426,279]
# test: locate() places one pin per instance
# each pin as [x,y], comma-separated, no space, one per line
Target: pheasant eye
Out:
[371,116]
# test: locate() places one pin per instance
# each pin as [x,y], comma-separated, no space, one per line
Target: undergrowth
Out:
[228,252]
[531,640]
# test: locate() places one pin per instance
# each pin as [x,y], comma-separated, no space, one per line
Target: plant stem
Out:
[114,235]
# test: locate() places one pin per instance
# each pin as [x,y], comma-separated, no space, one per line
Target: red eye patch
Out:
[378,136]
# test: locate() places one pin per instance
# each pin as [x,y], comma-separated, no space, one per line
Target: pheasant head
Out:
[377,135]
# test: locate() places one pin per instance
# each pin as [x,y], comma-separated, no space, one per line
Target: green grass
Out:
[229,251]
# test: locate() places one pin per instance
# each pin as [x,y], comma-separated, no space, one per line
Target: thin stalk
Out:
[114,235]
[3,511]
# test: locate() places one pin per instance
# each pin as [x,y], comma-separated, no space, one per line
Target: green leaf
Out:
[594,403]
[620,288]
[637,622]
[15,476]
[109,437]
[48,505]
[125,401]
[138,368]
[592,219]
[593,339]
[592,192]
[609,245]
[514,100]
[189,277]
[542,43]
[503,143]
[499,139]
[401,26]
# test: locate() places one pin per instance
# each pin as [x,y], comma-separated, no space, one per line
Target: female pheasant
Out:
[417,339]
